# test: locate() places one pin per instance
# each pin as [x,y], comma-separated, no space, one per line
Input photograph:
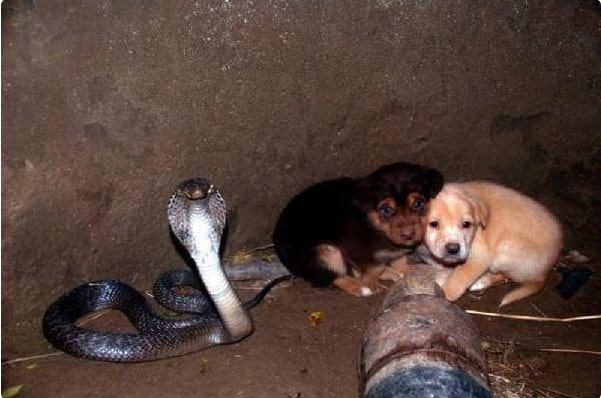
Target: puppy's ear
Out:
[481,210]
[363,196]
[434,180]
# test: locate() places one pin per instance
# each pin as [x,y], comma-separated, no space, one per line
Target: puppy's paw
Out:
[441,276]
[391,274]
[487,280]
[355,287]
[452,293]
[478,286]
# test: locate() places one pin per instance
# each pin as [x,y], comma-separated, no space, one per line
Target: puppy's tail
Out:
[252,303]
[525,290]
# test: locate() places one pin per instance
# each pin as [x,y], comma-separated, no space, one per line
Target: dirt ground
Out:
[289,356]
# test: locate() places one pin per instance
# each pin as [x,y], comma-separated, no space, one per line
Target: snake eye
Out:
[466,224]
[418,204]
[386,211]
[434,224]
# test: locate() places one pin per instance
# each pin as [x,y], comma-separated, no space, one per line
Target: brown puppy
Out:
[345,231]
[490,233]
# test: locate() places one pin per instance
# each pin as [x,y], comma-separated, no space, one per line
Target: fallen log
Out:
[420,345]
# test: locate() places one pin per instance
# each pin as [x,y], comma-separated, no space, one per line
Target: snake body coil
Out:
[197,216]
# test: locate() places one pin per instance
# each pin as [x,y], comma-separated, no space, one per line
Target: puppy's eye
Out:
[419,204]
[386,211]
[466,224]
[434,224]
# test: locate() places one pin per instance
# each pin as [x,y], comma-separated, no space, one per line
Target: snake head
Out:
[191,190]
[197,215]
[196,188]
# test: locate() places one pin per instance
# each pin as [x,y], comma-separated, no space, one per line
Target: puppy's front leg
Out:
[371,276]
[391,274]
[487,280]
[401,265]
[462,277]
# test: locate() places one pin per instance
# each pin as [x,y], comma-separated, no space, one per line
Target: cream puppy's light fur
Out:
[490,233]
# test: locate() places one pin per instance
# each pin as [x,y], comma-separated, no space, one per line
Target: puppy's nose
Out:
[452,248]
[408,235]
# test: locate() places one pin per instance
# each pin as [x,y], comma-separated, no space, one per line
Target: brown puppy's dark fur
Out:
[345,231]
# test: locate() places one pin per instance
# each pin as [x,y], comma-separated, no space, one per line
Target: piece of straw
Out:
[31,358]
[534,318]
[257,249]
[568,350]
[93,317]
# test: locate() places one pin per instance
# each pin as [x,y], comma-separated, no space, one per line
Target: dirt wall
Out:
[106,105]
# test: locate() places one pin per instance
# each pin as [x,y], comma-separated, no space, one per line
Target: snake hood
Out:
[197,215]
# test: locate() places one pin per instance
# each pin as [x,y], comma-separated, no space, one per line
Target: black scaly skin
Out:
[158,337]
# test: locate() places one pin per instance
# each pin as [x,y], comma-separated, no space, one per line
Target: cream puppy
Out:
[489,233]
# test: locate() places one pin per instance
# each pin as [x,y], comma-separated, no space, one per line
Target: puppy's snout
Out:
[452,248]
[408,234]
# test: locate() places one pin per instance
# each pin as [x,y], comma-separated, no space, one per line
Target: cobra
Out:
[197,217]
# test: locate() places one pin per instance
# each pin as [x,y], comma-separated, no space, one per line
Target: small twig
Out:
[561,393]
[91,318]
[534,318]
[31,358]
[511,344]
[510,348]
[501,365]
[257,249]
[538,310]
[545,391]
[504,379]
